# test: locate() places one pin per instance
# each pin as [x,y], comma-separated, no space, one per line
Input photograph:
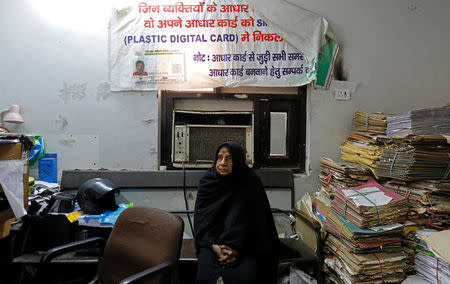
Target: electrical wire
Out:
[186,202]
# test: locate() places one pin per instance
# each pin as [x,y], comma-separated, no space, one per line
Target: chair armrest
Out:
[59,250]
[95,280]
[148,273]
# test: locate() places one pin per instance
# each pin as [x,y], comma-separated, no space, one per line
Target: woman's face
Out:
[224,164]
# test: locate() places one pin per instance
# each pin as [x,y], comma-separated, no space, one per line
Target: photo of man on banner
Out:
[140,69]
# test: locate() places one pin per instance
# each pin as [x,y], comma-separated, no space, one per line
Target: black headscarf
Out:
[233,210]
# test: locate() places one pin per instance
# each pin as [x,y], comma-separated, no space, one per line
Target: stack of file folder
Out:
[370,205]
[421,121]
[364,243]
[433,256]
[431,185]
[372,228]
[380,267]
[415,158]
[358,240]
[370,122]
[429,201]
[340,174]
[362,148]
[415,139]
[409,243]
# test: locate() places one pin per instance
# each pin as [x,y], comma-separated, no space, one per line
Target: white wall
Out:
[395,50]
[397,53]
[57,72]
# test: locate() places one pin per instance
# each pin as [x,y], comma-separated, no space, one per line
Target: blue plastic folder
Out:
[48,168]
[106,219]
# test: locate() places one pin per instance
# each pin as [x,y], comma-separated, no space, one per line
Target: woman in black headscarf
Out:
[235,233]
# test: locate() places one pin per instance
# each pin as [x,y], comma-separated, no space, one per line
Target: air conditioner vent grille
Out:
[203,141]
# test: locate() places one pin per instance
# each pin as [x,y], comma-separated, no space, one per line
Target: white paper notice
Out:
[11,179]
[343,85]
[368,196]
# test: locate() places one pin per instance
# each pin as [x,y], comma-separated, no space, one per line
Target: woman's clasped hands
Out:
[225,254]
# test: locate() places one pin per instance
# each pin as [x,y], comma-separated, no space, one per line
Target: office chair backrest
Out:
[141,238]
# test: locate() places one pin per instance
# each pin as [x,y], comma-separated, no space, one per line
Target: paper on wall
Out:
[11,179]
[343,85]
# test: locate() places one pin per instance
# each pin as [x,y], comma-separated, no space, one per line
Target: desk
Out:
[187,255]
[292,249]
[292,252]
[67,258]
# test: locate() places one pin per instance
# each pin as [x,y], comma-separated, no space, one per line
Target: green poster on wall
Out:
[325,64]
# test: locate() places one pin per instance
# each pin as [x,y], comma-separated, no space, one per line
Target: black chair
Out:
[144,244]
[305,250]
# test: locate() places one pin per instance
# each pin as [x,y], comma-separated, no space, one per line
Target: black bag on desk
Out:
[60,202]
[45,232]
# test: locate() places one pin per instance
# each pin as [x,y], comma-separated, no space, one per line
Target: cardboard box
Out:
[304,227]
[15,151]
[306,232]
[5,227]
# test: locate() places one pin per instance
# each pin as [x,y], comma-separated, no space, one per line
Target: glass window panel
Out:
[278,131]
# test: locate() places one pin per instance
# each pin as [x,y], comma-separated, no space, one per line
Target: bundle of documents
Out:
[413,139]
[431,185]
[357,255]
[409,243]
[358,240]
[429,201]
[362,148]
[381,267]
[370,122]
[433,256]
[421,121]
[370,205]
[417,210]
[340,174]
[414,162]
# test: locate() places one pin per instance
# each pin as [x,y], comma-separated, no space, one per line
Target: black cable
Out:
[186,202]
[22,249]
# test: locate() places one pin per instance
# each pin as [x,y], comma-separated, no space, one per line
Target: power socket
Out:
[180,141]
[342,95]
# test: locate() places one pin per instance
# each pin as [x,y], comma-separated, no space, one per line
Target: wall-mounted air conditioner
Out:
[196,135]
